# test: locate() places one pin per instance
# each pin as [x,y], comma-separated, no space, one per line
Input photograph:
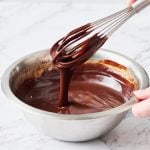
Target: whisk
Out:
[90,37]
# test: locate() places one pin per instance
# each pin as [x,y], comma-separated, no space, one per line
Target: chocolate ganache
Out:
[87,93]
[75,85]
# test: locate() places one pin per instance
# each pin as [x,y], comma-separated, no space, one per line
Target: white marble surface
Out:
[26,27]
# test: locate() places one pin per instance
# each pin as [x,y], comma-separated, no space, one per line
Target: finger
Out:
[129,2]
[142,109]
[142,94]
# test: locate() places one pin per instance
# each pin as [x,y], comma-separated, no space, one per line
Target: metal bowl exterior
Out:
[75,130]
[73,127]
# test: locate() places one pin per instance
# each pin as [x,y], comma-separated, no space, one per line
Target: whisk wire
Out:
[116,23]
[109,24]
[101,28]
[113,21]
[109,17]
[71,46]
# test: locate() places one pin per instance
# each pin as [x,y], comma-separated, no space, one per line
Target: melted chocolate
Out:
[73,87]
[88,92]
[67,58]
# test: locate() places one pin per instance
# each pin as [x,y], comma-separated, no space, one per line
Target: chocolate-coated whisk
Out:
[88,38]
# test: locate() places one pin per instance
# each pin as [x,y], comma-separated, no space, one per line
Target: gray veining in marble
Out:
[29,26]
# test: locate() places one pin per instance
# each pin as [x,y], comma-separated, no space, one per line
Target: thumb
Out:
[142,94]
[130,2]
[142,109]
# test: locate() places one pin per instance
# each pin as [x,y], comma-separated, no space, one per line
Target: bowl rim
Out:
[27,108]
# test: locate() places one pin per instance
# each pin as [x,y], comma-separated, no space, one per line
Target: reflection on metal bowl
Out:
[65,127]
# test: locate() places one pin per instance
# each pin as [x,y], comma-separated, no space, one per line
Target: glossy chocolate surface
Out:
[73,87]
[88,92]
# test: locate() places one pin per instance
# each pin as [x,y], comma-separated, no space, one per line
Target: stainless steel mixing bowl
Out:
[68,127]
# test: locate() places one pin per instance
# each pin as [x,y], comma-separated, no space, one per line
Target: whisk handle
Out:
[140,4]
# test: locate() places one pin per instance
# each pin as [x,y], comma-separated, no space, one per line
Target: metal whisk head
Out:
[89,38]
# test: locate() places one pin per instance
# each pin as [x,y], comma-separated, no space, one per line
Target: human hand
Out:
[142,107]
[130,2]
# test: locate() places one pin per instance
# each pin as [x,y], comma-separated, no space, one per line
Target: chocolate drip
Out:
[65,77]
[75,87]
[67,58]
